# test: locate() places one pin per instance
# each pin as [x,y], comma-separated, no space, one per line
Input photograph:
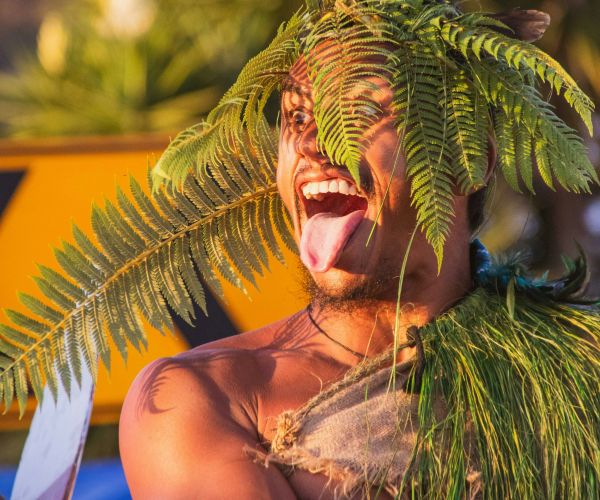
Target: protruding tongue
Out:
[324,236]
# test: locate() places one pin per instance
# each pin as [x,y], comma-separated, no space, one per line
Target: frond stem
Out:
[271,188]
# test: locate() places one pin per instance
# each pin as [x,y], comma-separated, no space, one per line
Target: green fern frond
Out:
[560,152]
[524,156]
[505,139]
[341,55]
[474,39]
[348,42]
[467,125]
[239,116]
[421,97]
[180,158]
[149,256]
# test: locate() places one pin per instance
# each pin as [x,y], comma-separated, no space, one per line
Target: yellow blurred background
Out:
[61,178]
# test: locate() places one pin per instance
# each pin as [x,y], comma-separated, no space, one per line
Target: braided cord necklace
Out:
[413,338]
[337,342]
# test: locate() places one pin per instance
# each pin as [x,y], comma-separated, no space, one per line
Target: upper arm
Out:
[181,437]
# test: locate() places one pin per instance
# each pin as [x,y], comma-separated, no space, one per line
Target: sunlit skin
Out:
[187,420]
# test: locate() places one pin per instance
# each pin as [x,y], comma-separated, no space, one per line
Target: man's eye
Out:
[299,120]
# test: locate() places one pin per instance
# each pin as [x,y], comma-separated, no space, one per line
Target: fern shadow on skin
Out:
[198,362]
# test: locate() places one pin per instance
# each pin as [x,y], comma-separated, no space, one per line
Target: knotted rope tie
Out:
[413,382]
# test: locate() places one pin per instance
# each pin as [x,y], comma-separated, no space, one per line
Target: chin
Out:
[336,283]
[343,289]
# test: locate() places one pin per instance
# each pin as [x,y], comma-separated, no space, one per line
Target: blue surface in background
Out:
[97,480]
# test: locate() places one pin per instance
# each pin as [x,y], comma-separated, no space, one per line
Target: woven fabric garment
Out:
[360,432]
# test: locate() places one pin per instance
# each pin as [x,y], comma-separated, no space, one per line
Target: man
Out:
[197,424]
[204,407]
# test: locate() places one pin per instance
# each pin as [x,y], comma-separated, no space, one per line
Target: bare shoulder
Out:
[206,374]
[190,417]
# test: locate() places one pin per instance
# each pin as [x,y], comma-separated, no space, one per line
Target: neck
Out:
[367,326]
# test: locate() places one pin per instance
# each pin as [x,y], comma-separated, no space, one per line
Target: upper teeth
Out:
[313,189]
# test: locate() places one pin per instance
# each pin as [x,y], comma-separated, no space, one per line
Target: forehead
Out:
[297,82]
[297,85]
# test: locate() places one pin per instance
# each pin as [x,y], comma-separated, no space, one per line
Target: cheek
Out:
[381,156]
[382,143]
[400,199]
[285,169]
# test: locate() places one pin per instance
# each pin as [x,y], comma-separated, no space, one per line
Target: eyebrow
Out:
[291,85]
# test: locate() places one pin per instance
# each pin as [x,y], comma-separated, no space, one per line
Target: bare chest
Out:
[293,383]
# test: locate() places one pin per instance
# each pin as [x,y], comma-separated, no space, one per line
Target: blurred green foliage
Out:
[114,66]
[111,66]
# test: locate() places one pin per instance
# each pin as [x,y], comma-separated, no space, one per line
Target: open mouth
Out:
[334,209]
[336,196]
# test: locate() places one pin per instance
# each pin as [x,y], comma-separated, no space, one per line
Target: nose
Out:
[306,144]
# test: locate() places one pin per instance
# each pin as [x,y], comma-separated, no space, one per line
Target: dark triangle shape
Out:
[9,182]
[215,326]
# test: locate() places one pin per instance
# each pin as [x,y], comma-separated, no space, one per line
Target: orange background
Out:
[62,179]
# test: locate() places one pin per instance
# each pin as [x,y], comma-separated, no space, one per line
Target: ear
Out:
[526,25]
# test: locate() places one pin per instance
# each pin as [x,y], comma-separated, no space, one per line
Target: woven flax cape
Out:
[361,432]
[501,401]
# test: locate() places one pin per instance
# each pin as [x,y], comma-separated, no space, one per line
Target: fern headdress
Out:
[457,78]
[214,208]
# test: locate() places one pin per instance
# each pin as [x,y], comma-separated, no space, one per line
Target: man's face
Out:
[332,217]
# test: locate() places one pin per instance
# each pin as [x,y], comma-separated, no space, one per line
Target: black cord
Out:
[413,383]
[312,320]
